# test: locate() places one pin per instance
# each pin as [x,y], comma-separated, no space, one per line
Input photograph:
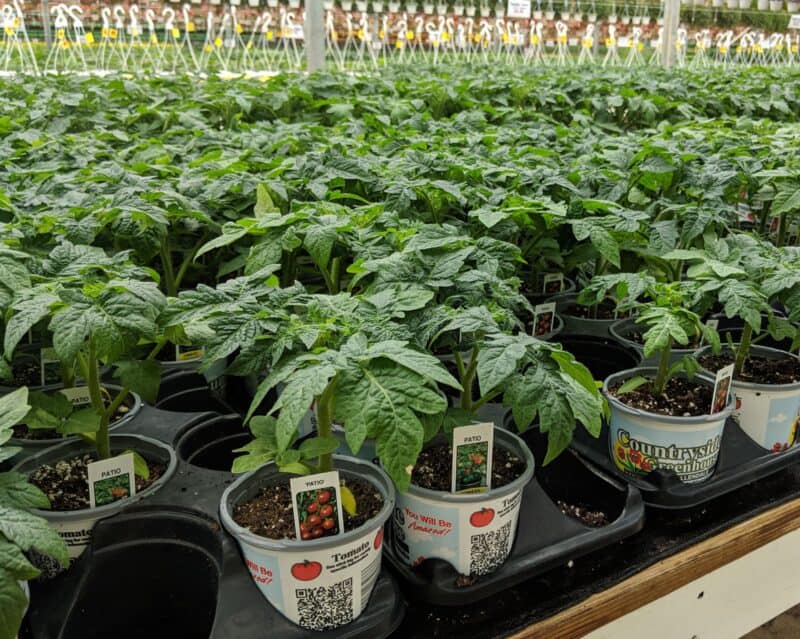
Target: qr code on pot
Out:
[325,607]
[488,550]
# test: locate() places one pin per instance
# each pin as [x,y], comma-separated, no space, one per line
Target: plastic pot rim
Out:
[107,509]
[650,371]
[507,440]
[346,466]
[766,351]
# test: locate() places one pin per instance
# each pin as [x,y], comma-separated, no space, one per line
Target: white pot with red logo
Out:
[474,532]
[319,584]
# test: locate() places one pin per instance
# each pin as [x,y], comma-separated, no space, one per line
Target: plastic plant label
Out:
[50,366]
[317,506]
[553,283]
[519,9]
[794,21]
[78,396]
[111,480]
[472,458]
[722,389]
[188,353]
[544,318]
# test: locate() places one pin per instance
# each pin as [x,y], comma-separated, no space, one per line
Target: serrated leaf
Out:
[497,360]
[13,408]
[15,563]
[316,446]
[141,376]
[29,531]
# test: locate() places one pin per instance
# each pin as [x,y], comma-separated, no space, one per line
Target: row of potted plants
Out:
[398,309]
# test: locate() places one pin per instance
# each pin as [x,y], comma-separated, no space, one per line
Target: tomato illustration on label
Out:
[378,539]
[307,570]
[482,517]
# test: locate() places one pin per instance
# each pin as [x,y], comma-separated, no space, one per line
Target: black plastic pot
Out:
[546,537]
[210,443]
[603,356]
[199,586]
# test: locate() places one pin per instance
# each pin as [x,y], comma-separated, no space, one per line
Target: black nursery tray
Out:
[166,567]
[546,537]
[741,461]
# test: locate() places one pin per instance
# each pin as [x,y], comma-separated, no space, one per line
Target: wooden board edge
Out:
[667,575]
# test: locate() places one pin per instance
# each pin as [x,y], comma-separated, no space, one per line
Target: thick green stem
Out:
[743,352]
[782,226]
[486,398]
[762,219]
[102,443]
[324,405]
[187,261]
[336,275]
[166,266]
[663,370]
[467,379]
[67,376]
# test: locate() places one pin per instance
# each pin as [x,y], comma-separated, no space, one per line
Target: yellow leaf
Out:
[348,500]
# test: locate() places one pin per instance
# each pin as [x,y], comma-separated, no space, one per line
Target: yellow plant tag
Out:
[588,42]
[9,31]
[562,38]
[239,29]
[534,38]
[360,34]
[398,44]
[190,26]
[112,33]
[104,32]
[176,32]
[218,42]
[134,33]
[89,38]
[445,37]
[409,35]
[60,34]
[381,34]
[208,48]
[348,500]
[153,38]
[269,35]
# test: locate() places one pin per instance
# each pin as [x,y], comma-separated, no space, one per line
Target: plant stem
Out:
[486,398]
[782,225]
[743,352]
[336,275]
[663,370]
[466,380]
[186,263]
[166,267]
[324,405]
[102,443]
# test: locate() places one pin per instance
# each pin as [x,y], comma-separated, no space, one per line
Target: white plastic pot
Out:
[75,526]
[441,9]
[470,11]
[361,6]
[499,10]
[285,570]
[793,7]
[431,524]
[394,7]
[768,413]
[775,5]
[745,4]
[485,12]
[537,14]
[641,442]
[458,9]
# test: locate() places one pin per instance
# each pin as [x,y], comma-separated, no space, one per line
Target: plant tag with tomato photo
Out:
[544,318]
[722,389]
[50,366]
[188,353]
[472,458]
[317,502]
[111,479]
[78,396]
[553,283]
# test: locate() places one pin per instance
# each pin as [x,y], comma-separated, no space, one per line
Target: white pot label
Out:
[640,445]
[50,366]
[317,506]
[78,396]
[76,534]
[770,418]
[472,458]
[320,589]
[722,389]
[111,480]
[553,283]
[544,318]
[475,537]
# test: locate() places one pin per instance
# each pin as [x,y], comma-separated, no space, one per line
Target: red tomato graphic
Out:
[482,517]
[636,457]
[307,571]
[378,539]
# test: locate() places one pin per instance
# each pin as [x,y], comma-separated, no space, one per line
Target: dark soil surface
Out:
[681,398]
[21,431]
[758,370]
[588,517]
[605,311]
[27,372]
[269,514]
[435,466]
[66,485]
